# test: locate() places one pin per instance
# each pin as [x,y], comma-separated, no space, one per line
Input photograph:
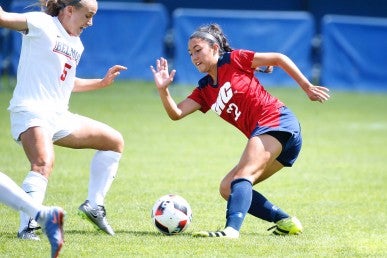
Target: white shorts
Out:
[58,125]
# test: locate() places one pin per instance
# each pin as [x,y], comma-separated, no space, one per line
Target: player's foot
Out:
[288,226]
[225,233]
[33,224]
[96,215]
[51,221]
[28,234]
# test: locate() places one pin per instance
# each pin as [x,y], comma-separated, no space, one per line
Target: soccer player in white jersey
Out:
[51,218]
[46,77]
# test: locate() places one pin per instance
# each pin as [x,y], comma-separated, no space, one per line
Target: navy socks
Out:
[244,199]
[238,202]
[262,208]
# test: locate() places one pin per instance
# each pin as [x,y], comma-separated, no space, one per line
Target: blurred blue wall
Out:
[124,33]
[135,33]
[354,53]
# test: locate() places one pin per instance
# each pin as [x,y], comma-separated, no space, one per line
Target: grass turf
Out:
[337,188]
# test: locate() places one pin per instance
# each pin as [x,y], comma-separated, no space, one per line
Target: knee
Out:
[43,166]
[224,189]
[119,143]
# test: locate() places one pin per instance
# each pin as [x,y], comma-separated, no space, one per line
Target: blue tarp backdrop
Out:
[354,53]
[128,34]
[290,33]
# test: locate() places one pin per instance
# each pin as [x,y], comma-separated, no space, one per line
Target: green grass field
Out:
[337,188]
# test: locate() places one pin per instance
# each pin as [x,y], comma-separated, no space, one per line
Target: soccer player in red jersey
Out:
[231,89]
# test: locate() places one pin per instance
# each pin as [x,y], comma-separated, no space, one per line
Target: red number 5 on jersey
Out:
[65,70]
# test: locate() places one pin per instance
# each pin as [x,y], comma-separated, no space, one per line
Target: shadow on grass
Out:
[158,234]
[129,232]
[12,236]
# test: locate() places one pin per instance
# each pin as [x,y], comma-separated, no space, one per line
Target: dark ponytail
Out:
[213,33]
[215,30]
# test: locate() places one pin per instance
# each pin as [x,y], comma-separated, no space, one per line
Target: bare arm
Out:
[315,93]
[162,80]
[81,85]
[13,21]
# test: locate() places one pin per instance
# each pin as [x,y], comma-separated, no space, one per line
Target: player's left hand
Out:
[111,74]
[318,93]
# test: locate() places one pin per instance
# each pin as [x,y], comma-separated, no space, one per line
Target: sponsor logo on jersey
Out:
[224,96]
[66,50]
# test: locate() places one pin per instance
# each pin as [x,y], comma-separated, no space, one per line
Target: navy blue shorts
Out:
[288,133]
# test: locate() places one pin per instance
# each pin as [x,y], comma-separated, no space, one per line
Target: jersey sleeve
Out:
[36,22]
[243,59]
[196,96]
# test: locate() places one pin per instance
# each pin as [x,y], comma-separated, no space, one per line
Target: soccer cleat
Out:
[33,224]
[287,226]
[226,233]
[97,216]
[28,234]
[51,221]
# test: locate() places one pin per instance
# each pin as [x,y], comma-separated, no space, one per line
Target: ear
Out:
[68,10]
[216,48]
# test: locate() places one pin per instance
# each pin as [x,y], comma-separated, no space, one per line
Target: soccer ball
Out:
[171,214]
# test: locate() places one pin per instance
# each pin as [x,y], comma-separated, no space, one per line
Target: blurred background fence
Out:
[338,43]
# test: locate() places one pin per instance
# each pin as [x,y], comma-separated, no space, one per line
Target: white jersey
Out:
[47,66]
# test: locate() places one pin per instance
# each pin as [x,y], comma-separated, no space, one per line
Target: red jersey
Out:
[238,97]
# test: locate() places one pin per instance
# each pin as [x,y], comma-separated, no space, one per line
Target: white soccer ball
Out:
[171,214]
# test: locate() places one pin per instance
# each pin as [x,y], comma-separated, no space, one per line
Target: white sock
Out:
[13,196]
[34,185]
[103,170]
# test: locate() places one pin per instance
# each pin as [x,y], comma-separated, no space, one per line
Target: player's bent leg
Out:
[109,144]
[93,134]
[237,206]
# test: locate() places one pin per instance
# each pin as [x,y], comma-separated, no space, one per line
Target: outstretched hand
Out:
[161,74]
[111,74]
[318,93]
